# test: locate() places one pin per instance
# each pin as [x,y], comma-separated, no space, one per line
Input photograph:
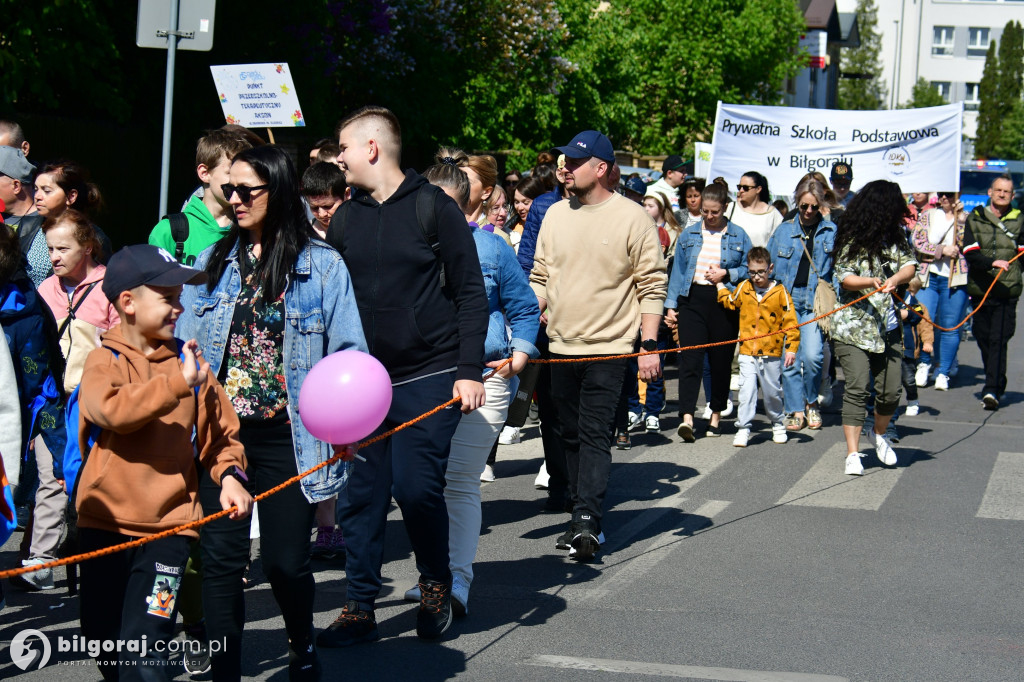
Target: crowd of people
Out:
[454,279]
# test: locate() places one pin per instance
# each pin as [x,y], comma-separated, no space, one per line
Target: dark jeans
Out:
[587,394]
[654,402]
[703,320]
[122,599]
[285,521]
[410,465]
[550,427]
[994,325]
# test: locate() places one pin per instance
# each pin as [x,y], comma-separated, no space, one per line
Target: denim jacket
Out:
[786,251]
[735,245]
[509,296]
[321,317]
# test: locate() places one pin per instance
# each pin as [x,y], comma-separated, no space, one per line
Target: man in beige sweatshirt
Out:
[599,276]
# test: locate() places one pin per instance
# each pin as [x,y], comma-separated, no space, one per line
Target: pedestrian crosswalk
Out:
[1004,495]
[825,484]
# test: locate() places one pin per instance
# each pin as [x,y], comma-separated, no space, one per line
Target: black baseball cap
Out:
[841,171]
[141,264]
[672,162]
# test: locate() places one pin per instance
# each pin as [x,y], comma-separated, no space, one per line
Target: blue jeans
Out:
[801,380]
[655,400]
[946,307]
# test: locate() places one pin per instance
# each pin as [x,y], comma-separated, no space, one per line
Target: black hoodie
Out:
[412,325]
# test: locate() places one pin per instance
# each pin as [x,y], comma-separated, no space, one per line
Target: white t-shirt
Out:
[758,226]
[940,231]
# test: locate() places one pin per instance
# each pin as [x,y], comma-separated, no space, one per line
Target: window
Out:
[943,88]
[942,41]
[971,98]
[977,42]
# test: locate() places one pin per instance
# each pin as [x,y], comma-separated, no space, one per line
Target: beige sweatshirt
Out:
[599,267]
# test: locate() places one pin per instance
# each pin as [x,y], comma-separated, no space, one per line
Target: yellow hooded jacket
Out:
[772,313]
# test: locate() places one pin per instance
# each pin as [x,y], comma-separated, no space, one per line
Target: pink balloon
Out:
[345,397]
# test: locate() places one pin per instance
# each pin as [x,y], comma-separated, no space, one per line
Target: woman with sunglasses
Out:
[496,216]
[752,211]
[278,300]
[801,249]
[711,251]
[871,253]
[938,239]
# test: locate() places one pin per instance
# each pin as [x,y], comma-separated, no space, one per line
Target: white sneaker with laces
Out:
[913,408]
[488,474]
[41,579]
[741,438]
[883,449]
[653,423]
[509,436]
[853,464]
[633,421]
[541,482]
[921,376]
[707,412]
[941,382]
[779,434]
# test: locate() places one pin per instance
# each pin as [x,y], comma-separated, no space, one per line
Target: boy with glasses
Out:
[765,307]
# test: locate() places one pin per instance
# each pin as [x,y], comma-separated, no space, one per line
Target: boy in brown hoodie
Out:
[157,414]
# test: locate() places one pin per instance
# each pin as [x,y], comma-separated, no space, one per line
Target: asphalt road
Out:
[760,564]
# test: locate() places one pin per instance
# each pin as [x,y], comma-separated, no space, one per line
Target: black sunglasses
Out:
[244,192]
[744,188]
[805,207]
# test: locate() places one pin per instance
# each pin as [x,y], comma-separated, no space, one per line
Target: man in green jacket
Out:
[994,235]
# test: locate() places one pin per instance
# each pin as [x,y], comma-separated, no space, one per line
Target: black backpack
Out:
[179,233]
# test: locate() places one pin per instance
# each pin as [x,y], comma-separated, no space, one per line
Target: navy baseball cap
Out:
[636,184]
[141,264]
[589,143]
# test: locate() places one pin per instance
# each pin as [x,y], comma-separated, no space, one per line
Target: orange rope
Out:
[78,558]
[928,317]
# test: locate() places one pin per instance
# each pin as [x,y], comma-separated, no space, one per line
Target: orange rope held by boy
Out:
[78,558]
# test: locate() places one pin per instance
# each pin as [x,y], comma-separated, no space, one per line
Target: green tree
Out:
[1011,63]
[866,91]
[924,94]
[989,108]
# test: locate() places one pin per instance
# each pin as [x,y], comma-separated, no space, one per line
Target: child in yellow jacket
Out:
[765,306]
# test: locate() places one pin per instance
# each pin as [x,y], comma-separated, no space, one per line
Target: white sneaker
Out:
[653,423]
[634,420]
[913,408]
[488,474]
[509,436]
[741,438]
[734,382]
[729,407]
[541,482]
[941,382]
[41,579]
[825,397]
[707,412]
[883,449]
[779,434]
[921,376]
[853,464]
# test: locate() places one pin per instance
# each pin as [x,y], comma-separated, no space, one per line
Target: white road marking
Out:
[631,570]
[1004,494]
[826,485]
[667,670]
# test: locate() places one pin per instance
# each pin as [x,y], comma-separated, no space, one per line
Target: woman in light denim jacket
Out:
[700,319]
[277,301]
[810,228]
[511,332]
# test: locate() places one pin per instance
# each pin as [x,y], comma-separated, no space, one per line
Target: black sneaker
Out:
[585,543]
[435,614]
[195,655]
[303,663]
[352,626]
[622,441]
[564,541]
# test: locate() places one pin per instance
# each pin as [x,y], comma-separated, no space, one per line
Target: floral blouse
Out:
[253,372]
[865,324]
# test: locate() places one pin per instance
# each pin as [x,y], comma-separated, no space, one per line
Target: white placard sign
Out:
[702,159]
[917,148]
[258,95]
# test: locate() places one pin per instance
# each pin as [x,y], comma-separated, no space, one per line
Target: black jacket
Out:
[412,325]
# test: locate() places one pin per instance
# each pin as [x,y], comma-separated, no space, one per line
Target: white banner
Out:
[702,159]
[917,148]
[258,95]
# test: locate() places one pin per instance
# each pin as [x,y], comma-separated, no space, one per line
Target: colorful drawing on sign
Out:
[279,67]
[258,95]
[897,159]
[231,119]
[161,599]
[223,98]
[297,118]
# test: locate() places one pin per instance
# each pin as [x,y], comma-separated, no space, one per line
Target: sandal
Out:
[813,418]
[794,423]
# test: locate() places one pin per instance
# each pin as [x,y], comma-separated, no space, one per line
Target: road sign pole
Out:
[165,157]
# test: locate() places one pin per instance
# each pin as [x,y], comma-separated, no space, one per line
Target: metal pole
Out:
[165,156]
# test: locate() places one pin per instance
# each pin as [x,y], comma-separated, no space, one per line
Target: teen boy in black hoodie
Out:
[430,337]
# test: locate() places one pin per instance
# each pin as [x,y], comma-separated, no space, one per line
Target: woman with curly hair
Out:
[872,256]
